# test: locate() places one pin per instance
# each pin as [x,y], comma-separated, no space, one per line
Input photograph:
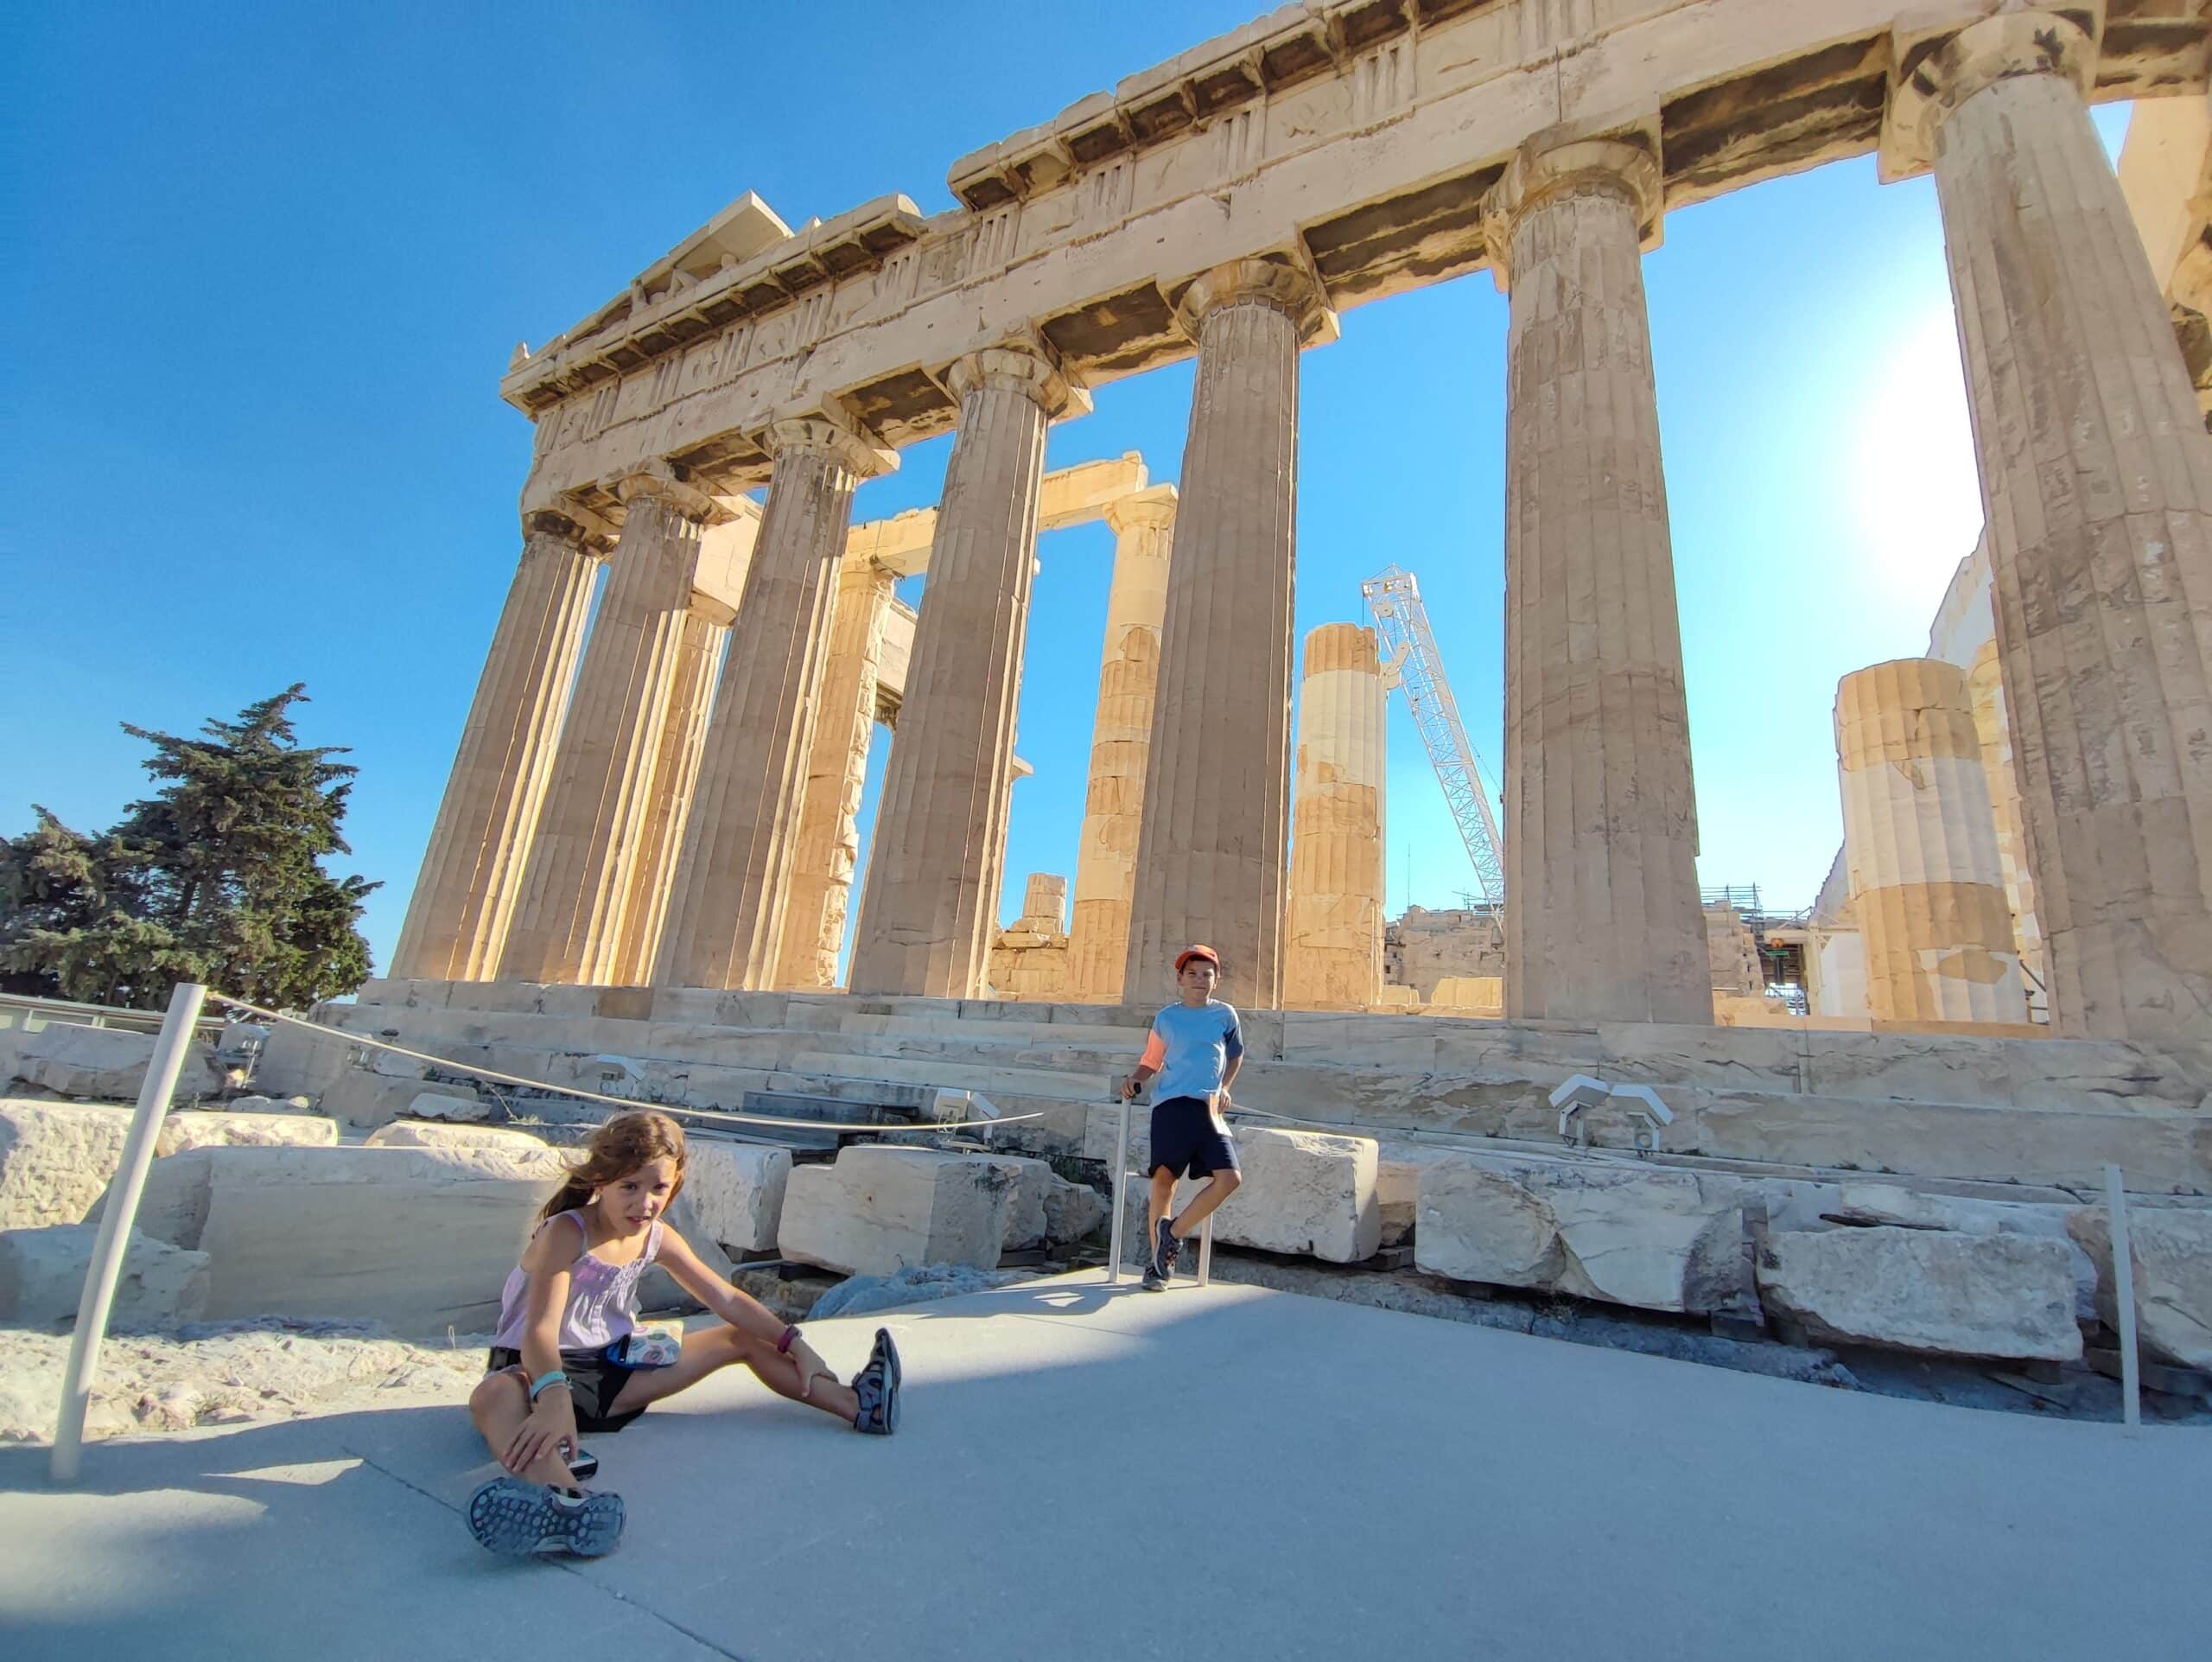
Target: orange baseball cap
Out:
[1189,953]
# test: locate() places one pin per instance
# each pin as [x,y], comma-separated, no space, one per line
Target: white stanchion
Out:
[2123,1287]
[113,1241]
[1120,1185]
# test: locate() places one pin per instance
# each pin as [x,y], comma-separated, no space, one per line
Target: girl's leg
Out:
[719,1347]
[499,1405]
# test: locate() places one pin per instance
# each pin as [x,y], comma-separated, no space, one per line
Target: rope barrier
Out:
[630,1102]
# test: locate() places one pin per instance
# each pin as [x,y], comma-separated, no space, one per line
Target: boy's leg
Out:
[1161,1203]
[719,1347]
[499,1405]
[1220,1185]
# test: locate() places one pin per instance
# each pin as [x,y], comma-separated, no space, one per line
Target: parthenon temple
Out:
[670,802]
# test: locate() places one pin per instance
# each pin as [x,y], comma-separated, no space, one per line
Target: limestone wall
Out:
[1423,946]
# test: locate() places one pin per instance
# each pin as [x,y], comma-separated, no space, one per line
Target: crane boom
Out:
[1402,625]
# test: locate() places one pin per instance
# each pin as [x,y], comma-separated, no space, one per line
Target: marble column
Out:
[2096,475]
[1993,727]
[1602,921]
[819,891]
[457,919]
[675,778]
[567,926]
[1120,740]
[1921,847]
[928,918]
[726,908]
[1217,793]
[1332,928]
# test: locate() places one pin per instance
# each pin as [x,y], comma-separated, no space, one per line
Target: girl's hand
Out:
[552,1425]
[809,1364]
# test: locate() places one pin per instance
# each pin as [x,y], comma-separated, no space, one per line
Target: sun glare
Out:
[1919,496]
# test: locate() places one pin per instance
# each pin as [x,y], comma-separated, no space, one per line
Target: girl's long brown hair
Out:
[613,1151]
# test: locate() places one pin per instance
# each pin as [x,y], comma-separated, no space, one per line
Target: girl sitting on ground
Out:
[565,1361]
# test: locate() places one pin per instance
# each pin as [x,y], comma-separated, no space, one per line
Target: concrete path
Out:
[1099,1474]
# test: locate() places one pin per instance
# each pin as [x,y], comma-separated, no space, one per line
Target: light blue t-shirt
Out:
[1196,1045]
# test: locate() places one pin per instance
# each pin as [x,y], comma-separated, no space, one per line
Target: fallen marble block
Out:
[2007,1296]
[42,1279]
[1652,1239]
[1306,1192]
[865,1295]
[880,1208]
[106,1063]
[738,1191]
[436,1134]
[2172,1250]
[418,1240]
[55,1159]
[221,1129]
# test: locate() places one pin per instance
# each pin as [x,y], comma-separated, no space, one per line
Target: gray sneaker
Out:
[1166,1249]
[1153,1282]
[877,1386]
[511,1516]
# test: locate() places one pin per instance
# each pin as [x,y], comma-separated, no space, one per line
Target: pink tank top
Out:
[603,1297]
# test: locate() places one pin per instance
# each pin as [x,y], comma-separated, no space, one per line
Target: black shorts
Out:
[594,1384]
[1186,1140]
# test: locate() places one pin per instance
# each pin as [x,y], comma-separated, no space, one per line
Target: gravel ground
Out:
[229,1374]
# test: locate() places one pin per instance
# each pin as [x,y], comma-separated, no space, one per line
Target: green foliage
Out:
[217,877]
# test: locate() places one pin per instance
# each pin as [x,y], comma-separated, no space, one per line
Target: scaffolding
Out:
[1409,646]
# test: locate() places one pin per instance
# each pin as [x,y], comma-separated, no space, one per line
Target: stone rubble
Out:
[2172,1250]
[103,1064]
[42,1279]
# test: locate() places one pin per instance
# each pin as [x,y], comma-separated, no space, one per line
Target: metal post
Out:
[1120,1184]
[1205,1250]
[117,1217]
[2123,1287]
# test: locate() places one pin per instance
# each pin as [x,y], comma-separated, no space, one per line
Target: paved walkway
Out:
[1103,1474]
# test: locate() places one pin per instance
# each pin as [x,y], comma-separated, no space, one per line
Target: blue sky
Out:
[269,264]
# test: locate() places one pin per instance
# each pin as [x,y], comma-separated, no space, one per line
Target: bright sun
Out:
[1919,496]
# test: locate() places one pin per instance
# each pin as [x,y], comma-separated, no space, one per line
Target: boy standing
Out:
[1195,1048]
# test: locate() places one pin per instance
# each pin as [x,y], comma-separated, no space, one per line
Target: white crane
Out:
[1401,626]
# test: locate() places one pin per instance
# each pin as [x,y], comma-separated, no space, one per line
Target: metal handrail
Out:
[71,1014]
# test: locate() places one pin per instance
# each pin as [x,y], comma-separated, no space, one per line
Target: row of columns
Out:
[2097,477]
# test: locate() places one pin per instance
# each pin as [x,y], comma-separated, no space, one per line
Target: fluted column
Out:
[1217,793]
[675,778]
[457,919]
[726,908]
[567,926]
[1332,929]
[1602,915]
[2097,478]
[1993,726]
[819,891]
[1120,740]
[1921,847]
[928,917]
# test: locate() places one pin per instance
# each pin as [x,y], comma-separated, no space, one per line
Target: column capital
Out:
[570,523]
[659,481]
[1289,288]
[1568,161]
[1935,75]
[1025,365]
[856,452]
[1155,507]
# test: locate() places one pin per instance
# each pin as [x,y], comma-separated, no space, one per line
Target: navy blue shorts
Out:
[1186,1140]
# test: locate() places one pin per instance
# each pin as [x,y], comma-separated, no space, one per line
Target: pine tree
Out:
[216,877]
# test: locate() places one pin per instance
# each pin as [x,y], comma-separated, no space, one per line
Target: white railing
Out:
[1121,1175]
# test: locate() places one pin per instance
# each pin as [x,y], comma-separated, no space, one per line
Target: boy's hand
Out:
[1130,1087]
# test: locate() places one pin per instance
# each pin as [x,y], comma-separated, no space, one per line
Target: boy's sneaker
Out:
[510,1516]
[877,1386]
[1152,1282]
[1166,1249]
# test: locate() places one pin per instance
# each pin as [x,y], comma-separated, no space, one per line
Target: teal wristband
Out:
[546,1382]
